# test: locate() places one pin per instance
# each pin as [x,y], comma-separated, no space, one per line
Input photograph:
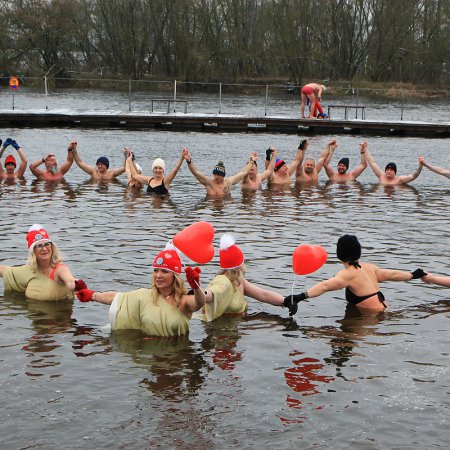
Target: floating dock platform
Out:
[216,123]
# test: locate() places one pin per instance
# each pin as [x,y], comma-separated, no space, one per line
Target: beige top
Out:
[226,299]
[135,310]
[36,285]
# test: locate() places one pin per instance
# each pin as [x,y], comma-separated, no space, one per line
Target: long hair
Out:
[236,275]
[56,258]
[178,286]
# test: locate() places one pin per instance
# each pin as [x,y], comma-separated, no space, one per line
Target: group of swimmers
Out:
[277,172]
[166,308]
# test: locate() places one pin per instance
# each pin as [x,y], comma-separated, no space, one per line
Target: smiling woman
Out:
[44,277]
[163,310]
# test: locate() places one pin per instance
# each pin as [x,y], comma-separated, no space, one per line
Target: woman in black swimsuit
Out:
[359,279]
[158,183]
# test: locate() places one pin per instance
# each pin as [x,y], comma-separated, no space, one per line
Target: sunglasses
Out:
[40,247]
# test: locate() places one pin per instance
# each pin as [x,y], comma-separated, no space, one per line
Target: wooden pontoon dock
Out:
[216,123]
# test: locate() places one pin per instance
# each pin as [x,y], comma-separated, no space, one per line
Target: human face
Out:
[10,168]
[50,163]
[283,170]
[158,171]
[218,179]
[253,172]
[163,279]
[342,168]
[308,166]
[390,173]
[101,167]
[43,251]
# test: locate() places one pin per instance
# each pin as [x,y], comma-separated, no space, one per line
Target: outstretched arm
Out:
[374,166]
[439,280]
[357,171]
[203,179]
[67,164]
[23,162]
[64,275]
[171,175]
[80,163]
[262,295]
[435,169]
[408,178]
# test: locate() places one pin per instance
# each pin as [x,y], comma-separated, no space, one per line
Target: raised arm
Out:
[303,148]
[236,178]
[374,166]
[435,169]
[67,164]
[203,179]
[270,168]
[23,159]
[292,167]
[408,178]
[34,167]
[171,175]
[321,161]
[331,147]
[131,170]
[357,171]
[80,163]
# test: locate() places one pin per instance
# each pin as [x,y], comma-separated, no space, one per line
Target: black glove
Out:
[301,146]
[418,273]
[269,152]
[291,301]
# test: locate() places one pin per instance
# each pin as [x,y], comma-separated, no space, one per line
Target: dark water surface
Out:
[331,378]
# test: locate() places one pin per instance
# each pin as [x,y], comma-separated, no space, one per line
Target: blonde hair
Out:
[179,289]
[56,258]
[236,275]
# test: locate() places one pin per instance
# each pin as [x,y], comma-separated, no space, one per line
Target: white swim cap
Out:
[159,162]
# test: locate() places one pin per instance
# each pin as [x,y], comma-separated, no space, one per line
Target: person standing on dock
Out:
[435,169]
[218,185]
[101,172]
[308,172]
[341,174]
[310,91]
[253,181]
[52,172]
[10,172]
[389,176]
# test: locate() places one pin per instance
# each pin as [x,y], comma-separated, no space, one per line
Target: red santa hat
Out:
[37,234]
[230,254]
[168,259]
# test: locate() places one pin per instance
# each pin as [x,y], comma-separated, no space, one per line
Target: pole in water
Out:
[12,100]
[220,97]
[129,95]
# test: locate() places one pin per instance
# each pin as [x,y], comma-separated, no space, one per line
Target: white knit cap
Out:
[159,162]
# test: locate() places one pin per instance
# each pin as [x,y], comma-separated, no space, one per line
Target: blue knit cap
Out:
[103,160]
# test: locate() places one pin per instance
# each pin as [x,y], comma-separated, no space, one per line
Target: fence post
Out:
[267,96]
[220,97]
[129,95]
[403,104]
[46,92]
[174,95]
[12,92]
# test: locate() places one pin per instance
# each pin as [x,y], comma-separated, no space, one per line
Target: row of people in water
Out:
[277,172]
[166,307]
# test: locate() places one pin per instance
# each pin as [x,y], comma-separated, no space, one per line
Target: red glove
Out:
[85,295]
[80,284]
[193,277]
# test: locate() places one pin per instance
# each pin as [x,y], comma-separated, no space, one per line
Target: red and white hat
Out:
[230,254]
[168,259]
[37,234]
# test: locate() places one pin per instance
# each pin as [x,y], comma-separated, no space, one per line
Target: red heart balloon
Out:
[195,241]
[307,259]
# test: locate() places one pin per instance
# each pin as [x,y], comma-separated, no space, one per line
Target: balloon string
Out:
[292,292]
[184,267]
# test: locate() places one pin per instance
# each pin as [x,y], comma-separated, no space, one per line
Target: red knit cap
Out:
[37,234]
[230,254]
[168,259]
[10,160]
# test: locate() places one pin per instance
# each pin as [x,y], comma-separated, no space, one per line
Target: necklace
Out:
[167,296]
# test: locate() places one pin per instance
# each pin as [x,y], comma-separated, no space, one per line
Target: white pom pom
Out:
[226,241]
[36,226]
[170,246]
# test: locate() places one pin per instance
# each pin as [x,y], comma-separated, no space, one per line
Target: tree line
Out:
[209,40]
